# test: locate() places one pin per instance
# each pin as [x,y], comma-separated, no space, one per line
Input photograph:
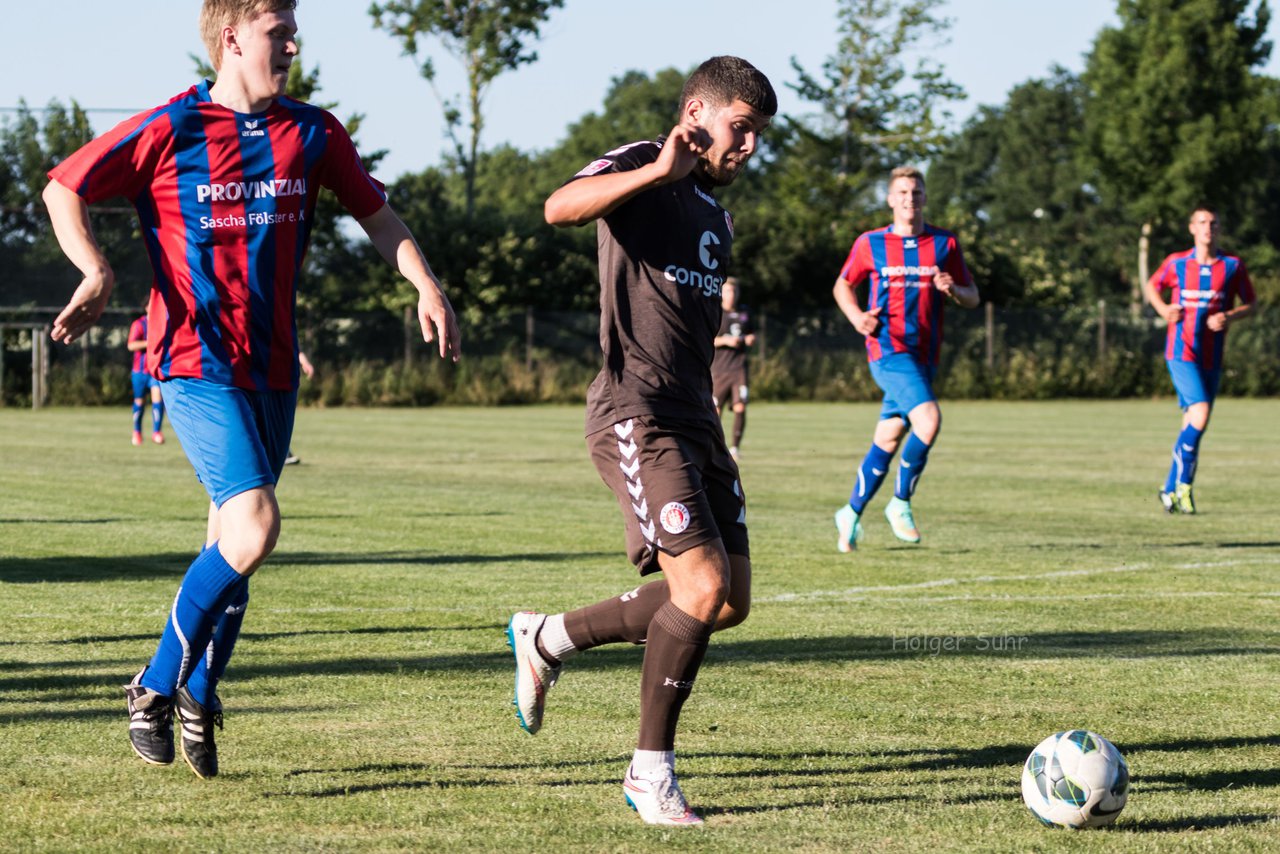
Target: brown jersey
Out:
[732,360]
[663,256]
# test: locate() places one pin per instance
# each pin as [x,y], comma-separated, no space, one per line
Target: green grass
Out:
[368,706]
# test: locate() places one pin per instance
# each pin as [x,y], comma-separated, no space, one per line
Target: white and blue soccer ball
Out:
[1075,779]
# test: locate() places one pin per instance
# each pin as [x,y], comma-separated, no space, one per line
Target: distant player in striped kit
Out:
[225,179]
[912,268]
[143,383]
[1208,292]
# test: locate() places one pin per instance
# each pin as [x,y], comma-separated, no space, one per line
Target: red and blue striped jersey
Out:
[1201,290]
[138,332]
[901,270]
[225,201]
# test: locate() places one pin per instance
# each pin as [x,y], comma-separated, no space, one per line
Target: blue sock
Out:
[137,417]
[207,589]
[875,465]
[1171,482]
[208,671]
[910,467]
[157,417]
[1188,449]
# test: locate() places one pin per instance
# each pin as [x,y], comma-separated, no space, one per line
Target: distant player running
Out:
[1205,288]
[142,383]
[729,369]
[652,431]
[225,179]
[911,267]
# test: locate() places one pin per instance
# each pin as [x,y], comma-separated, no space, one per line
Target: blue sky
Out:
[102,56]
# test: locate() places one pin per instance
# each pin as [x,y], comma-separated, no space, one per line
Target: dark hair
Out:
[1203,207]
[721,80]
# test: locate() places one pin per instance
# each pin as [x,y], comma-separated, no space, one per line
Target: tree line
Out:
[1060,194]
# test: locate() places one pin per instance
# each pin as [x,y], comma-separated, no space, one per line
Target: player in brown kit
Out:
[729,370]
[652,430]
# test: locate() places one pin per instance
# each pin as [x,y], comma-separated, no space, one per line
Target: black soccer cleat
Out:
[198,747]
[150,722]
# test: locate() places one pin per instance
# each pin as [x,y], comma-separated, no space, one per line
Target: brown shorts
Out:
[677,488]
[729,388]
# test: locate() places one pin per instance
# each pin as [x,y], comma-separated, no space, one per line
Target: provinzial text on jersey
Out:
[234,191]
[888,272]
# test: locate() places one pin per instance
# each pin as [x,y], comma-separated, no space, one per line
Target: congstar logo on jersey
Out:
[708,283]
[251,128]
[234,191]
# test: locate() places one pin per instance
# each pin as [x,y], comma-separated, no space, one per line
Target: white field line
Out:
[852,593]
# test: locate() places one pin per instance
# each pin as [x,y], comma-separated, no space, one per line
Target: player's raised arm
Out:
[391,237]
[586,199]
[69,215]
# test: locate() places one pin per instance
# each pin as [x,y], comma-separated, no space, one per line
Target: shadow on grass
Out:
[76,568]
[1198,822]
[837,649]
[34,521]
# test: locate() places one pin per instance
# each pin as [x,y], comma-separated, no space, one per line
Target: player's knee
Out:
[739,407]
[246,541]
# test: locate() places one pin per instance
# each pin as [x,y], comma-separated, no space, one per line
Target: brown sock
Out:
[739,425]
[673,653]
[617,619]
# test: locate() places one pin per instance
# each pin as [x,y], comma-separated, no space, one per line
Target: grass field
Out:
[368,707]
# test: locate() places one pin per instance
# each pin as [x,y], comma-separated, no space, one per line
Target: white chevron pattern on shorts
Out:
[629,463]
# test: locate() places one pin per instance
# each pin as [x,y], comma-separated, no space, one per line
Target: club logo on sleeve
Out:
[593,167]
[674,517]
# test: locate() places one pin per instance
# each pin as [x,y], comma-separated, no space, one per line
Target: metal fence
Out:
[1083,345]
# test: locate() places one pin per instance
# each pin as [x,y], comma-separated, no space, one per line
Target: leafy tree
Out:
[1014,177]
[875,112]
[487,36]
[818,178]
[30,145]
[1174,110]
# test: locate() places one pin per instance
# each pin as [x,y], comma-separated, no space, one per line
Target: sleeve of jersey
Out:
[1244,285]
[955,264]
[343,171]
[118,163]
[623,159]
[135,332]
[858,265]
[1160,278]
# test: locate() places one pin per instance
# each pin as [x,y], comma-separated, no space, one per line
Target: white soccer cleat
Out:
[898,512]
[848,529]
[533,675]
[658,800]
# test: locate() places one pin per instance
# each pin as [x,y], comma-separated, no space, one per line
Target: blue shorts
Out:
[141,382]
[906,382]
[1193,383]
[236,439]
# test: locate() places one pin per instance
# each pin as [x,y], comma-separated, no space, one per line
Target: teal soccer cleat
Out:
[898,512]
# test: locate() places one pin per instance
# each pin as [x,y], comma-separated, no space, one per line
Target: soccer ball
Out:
[1075,779]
